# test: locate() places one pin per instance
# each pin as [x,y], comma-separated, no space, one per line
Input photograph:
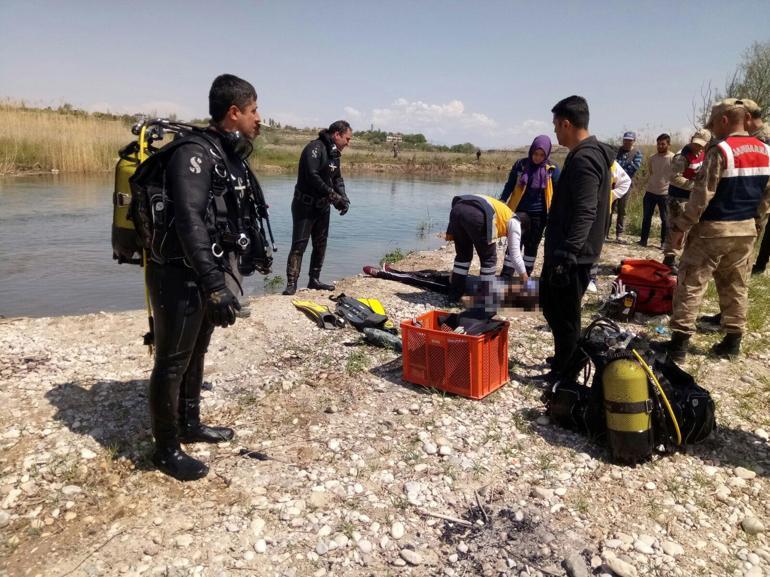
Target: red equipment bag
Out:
[653,283]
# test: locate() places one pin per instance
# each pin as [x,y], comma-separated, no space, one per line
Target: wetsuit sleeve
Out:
[511,183]
[513,256]
[703,191]
[586,182]
[314,157]
[678,166]
[188,176]
[339,187]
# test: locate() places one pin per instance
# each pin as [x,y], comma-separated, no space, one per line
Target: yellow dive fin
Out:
[376,307]
[321,314]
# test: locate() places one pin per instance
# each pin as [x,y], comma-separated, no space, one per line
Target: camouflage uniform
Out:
[676,205]
[718,247]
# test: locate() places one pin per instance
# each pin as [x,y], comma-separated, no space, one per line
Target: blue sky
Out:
[481,71]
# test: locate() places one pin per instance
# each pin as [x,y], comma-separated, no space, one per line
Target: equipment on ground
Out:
[357,314]
[376,307]
[653,283]
[436,281]
[382,339]
[621,304]
[619,391]
[320,314]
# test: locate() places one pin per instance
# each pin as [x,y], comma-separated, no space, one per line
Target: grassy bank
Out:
[45,140]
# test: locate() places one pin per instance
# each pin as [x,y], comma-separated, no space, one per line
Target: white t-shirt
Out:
[513,257]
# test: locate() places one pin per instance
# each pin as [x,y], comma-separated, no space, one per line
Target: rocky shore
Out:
[365,474]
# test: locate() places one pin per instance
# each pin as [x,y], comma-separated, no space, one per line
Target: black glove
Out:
[344,208]
[221,305]
[339,202]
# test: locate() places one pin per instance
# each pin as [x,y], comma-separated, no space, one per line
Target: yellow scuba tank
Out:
[628,411]
[125,243]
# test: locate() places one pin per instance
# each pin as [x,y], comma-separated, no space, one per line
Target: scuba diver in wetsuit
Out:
[192,267]
[319,185]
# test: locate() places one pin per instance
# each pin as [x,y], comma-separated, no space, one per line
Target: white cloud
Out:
[352,113]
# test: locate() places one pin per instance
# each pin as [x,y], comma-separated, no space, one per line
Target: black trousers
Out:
[468,225]
[531,240]
[309,223]
[649,203]
[560,298]
[764,250]
[182,336]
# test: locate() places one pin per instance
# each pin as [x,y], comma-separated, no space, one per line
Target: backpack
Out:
[652,282]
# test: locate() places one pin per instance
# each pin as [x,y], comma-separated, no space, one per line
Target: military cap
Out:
[722,107]
[702,137]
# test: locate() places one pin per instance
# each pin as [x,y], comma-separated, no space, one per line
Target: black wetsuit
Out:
[181,273]
[319,185]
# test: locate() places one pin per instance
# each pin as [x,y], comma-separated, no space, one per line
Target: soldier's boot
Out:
[669,260]
[677,346]
[293,265]
[191,430]
[730,345]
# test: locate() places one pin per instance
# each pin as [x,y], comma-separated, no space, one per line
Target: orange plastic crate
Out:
[471,366]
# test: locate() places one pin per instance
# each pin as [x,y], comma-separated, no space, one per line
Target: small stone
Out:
[341,539]
[613,543]
[643,547]
[365,546]
[397,530]
[70,490]
[260,546]
[650,486]
[621,568]
[183,541]
[752,525]
[5,518]
[762,434]
[561,491]
[672,549]
[257,525]
[575,566]
[722,493]
[151,549]
[542,493]
[334,445]
[249,555]
[743,473]
[87,454]
[322,548]
[754,572]
[462,547]
[70,515]
[543,420]
[411,557]
[445,450]
[430,448]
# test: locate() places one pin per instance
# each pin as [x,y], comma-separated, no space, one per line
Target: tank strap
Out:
[629,408]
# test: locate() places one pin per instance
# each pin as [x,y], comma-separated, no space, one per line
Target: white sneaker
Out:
[591,288]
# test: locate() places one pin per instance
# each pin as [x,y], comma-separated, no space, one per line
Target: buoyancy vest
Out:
[743,179]
[694,162]
[519,190]
[497,214]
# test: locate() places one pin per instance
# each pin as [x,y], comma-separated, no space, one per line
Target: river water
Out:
[56,256]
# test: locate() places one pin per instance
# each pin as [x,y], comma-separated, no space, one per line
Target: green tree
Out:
[752,79]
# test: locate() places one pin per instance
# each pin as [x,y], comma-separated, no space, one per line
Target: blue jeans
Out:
[649,203]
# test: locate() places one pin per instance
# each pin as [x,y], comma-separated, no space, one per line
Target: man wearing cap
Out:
[629,159]
[727,207]
[758,129]
[684,166]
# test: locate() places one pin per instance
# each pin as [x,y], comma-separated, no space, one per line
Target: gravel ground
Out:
[367,475]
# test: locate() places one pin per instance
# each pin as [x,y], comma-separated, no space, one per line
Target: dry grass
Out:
[45,140]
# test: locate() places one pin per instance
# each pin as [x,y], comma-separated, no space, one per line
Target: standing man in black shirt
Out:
[319,186]
[576,225]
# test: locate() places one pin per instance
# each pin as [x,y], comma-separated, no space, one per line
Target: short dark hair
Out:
[663,136]
[341,126]
[228,90]
[573,108]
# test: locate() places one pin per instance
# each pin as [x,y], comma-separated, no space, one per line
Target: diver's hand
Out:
[221,305]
